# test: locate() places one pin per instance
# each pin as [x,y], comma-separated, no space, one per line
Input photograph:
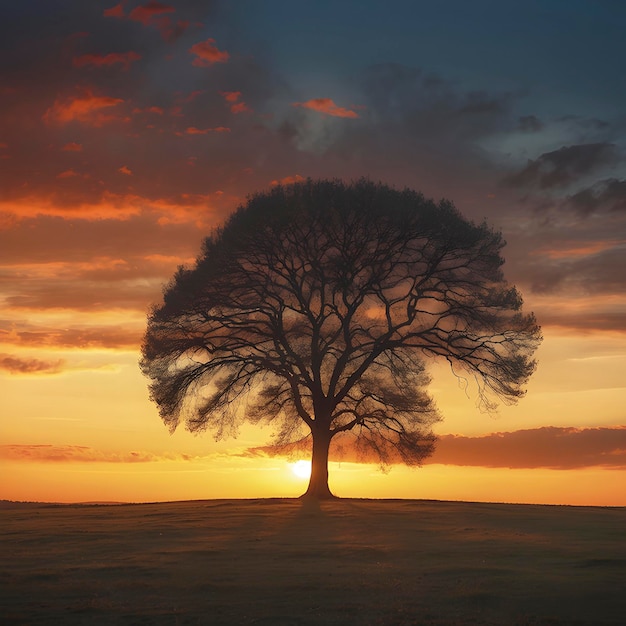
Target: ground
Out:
[287,562]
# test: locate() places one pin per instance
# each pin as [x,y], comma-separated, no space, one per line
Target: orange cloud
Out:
[116,11]
[72,147]
[327,107]
[86,108]
[190,208]
[239,107]
[146,12]
[192,95]
[231,96]
[106,60]
[577,251]
[125,170]
[207,54]
[156,110]
[17,365]
[109,205]
[152,14]
[288,180]
[67,174]
[192,130]
[178,208]
[95,336]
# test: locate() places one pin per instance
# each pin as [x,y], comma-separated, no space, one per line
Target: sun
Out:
[301,469]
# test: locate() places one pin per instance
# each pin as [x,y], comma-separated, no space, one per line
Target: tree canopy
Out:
[313,308]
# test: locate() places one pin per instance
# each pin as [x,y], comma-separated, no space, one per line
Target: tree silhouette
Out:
[312,309]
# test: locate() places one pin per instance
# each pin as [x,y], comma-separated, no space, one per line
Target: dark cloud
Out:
[564,166]
[19,365]
[413,128]
[584,124]
[605,195]
[549,447]
[530,124]
[430,107]
[601,273]
[327,107]
[590,272]
[124,59]
[584,320]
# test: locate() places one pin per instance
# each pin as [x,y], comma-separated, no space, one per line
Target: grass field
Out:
[282,562]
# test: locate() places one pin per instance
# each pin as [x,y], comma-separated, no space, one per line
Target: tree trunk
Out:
[318,483]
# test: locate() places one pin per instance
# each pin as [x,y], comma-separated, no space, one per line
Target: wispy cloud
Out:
[23,334]
[106,60]
[150,109]
[155,14]
[67,174]
[146,12]
[288,180]
[115,11]
[85,454]
[192,130]
[575,250]
[76,454]
[564,166]
[233,98]
[21,366]
[86,108]
[327,107]
[72,147]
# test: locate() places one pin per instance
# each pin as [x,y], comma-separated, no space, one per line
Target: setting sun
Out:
[301,469]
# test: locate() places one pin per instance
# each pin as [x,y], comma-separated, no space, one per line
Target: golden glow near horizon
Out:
[90,433]
[163,481]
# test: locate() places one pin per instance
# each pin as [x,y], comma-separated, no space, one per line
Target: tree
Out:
[312,309]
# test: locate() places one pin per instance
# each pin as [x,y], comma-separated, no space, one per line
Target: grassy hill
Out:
[282,562]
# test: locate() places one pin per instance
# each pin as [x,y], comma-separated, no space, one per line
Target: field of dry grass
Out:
[280,562]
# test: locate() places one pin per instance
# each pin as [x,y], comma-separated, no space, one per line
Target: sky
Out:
[129,131]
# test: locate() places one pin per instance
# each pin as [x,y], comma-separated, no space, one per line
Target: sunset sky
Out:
[128,131]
